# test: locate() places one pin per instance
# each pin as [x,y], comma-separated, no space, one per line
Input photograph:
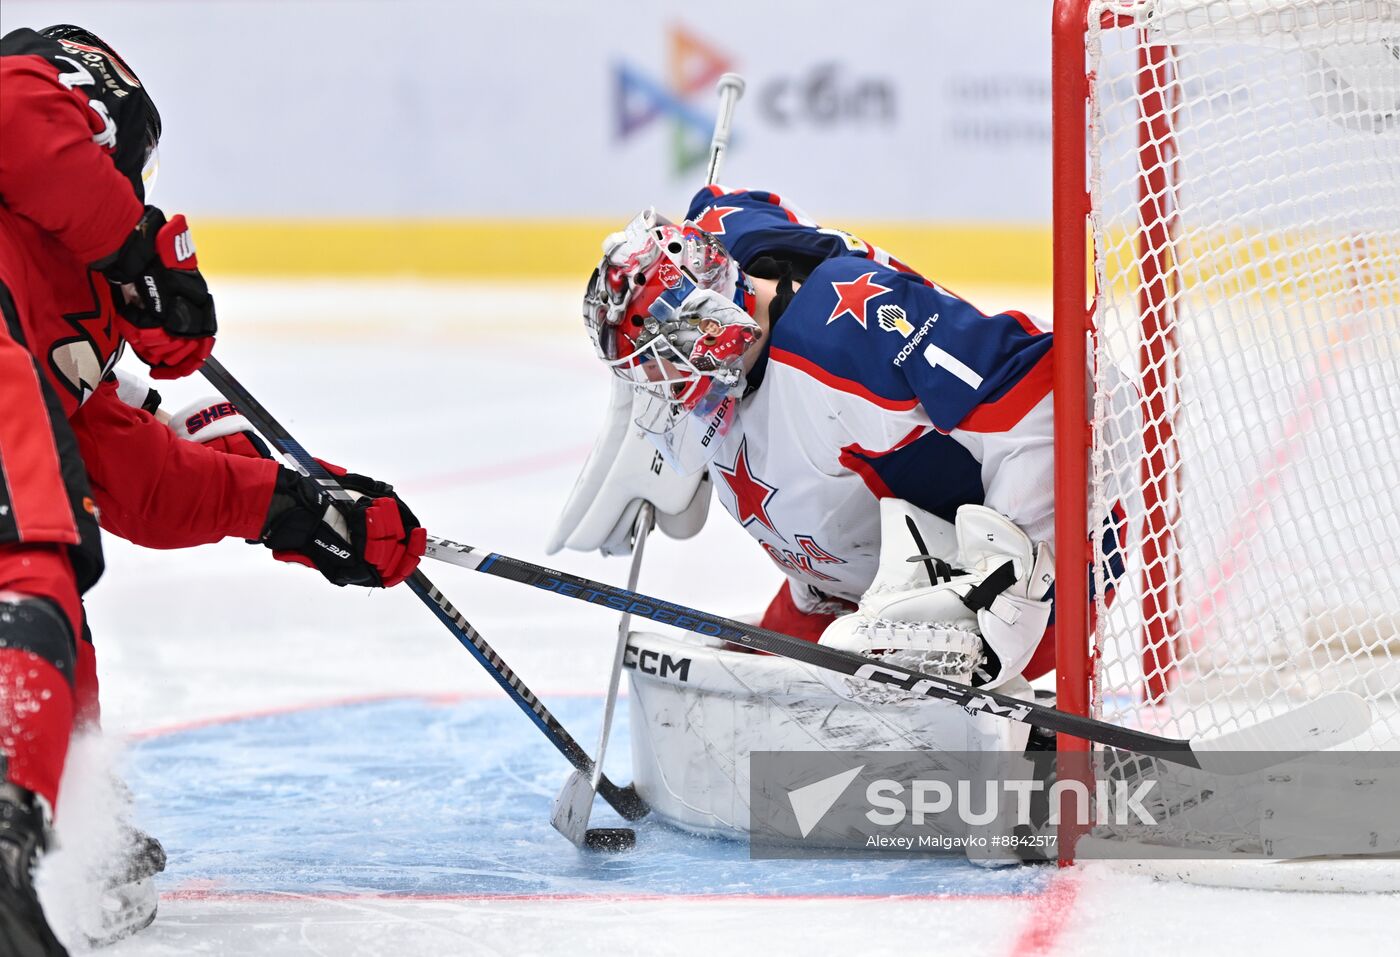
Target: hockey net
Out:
[1241,315]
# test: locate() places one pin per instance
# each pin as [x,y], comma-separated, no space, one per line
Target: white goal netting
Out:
[1244,163]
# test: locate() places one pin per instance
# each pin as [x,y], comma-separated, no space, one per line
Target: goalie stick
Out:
[1315,726]
[625,801]
[574,803]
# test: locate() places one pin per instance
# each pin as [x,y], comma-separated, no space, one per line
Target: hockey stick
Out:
[729,88]
[574,804]
[624,800]
[1315,726]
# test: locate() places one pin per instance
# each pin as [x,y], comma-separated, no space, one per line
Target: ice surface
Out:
[332,774]
[447,798]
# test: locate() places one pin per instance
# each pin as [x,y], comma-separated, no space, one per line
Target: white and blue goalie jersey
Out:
[875,382]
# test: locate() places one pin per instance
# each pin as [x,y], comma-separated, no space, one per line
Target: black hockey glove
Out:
[373,541]
[167,310]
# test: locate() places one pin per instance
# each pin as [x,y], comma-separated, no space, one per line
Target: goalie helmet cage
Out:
[1227,269]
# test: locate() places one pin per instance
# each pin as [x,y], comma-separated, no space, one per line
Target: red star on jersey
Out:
[712,220]
[751,495]
[852,297]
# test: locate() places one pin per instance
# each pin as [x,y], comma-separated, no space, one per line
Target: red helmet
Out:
[668,310]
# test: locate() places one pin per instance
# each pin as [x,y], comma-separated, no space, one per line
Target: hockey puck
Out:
[610,839]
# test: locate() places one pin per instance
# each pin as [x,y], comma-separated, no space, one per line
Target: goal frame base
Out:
[1343,875]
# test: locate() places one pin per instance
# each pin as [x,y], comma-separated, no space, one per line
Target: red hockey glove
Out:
[166,311]
[373,541]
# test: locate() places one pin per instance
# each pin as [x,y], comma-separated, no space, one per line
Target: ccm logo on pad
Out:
[655,663]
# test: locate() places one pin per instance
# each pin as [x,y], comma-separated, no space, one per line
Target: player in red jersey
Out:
[86,268]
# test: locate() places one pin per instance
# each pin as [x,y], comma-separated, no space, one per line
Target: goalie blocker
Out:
[968,601]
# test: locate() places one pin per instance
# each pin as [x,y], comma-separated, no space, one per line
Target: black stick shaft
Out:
[625,801]
[973,700]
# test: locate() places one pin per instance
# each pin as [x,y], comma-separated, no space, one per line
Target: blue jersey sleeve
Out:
[895,336]
[754,223]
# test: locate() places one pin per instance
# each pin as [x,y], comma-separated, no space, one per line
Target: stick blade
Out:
[572,808]
[1318,725]
[626,801]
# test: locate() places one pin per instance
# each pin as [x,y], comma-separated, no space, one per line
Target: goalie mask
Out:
[669,312]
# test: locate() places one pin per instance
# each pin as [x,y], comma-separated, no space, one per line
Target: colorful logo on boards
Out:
[795,97]
[685,99]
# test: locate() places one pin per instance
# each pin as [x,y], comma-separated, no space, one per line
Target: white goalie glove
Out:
[964,601]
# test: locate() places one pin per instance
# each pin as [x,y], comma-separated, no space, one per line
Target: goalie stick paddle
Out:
[625,801]
[1315,726]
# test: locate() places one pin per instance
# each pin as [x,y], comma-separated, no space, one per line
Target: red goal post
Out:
[1074,320]
[1073,314]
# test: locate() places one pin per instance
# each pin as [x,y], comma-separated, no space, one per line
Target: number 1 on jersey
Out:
[940,359]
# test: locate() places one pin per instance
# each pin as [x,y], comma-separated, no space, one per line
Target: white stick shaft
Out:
[642,527]
[730,88]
